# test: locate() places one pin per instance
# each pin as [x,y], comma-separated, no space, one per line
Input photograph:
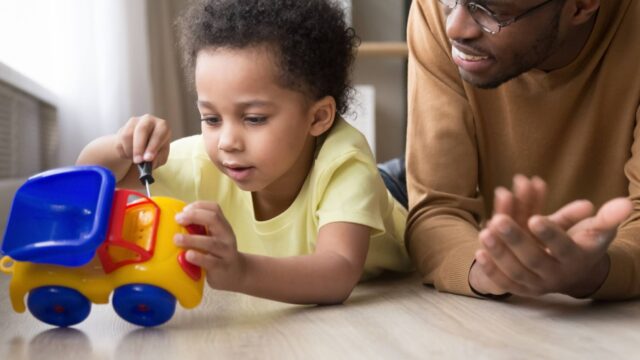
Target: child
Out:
[288,192]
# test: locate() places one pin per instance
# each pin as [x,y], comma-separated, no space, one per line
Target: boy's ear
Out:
[323,112]
[583,10]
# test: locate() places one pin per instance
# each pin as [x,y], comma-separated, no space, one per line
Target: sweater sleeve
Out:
[623,281]
[442,168]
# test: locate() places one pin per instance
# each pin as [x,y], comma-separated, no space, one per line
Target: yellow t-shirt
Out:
[342,186]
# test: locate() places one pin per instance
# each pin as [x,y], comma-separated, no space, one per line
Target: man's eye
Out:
[211,120]
[255,120]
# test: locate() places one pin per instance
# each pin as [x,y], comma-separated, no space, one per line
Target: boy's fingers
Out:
[197,216]
[205,205]
[207,244]
[125,136]
[141,136]
[203,260]
[572,213]
[159,137]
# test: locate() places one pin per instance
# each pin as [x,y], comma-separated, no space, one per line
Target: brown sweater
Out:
[574,127]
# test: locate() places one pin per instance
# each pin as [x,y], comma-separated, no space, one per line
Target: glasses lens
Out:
[449,3]
[483,18]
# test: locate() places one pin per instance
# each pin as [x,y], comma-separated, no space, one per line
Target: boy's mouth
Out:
[237,172]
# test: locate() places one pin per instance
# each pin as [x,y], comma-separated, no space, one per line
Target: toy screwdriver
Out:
[145,175]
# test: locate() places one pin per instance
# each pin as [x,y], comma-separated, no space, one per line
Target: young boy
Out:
[294,207]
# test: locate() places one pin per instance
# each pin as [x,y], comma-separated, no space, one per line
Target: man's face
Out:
[487,60]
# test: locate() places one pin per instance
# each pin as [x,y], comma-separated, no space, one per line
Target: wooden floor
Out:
[391,318]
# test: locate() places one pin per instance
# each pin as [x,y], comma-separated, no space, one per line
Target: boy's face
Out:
[255,131]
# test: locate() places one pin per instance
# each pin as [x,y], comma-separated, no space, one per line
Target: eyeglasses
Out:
[487,19]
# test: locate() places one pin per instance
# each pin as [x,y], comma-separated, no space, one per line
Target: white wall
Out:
[92,55]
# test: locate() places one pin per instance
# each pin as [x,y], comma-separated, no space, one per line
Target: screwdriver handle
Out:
[145,173]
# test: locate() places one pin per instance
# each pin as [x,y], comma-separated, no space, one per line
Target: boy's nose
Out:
[230,139]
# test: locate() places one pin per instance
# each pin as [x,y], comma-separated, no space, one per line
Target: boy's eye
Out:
[255,120]
[211,120]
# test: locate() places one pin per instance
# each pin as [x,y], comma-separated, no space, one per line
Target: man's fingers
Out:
[496,276]
[515,254]
[554,237]
[529,197]
[611,214]
[503,201]
[596,233]
[524,198]
[540,191]
[572,213]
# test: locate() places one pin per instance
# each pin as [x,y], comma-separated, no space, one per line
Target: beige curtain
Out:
[172,99]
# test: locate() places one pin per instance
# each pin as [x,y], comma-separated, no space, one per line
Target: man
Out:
[543,98]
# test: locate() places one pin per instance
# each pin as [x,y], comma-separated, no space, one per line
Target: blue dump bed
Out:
[60,216]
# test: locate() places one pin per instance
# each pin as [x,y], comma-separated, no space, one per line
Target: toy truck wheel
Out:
[144,305]
[58,305]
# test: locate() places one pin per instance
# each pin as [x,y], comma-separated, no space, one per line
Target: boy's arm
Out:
[325,277]
[143,138]
[102,151]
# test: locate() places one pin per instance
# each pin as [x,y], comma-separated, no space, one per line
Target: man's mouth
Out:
[467,57]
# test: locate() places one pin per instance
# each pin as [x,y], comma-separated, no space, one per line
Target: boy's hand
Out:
[564,252]
[217,252]
[144,138]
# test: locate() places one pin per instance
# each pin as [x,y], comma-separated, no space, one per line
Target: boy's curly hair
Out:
[311,41]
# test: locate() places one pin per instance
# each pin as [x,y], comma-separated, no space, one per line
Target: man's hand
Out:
[217,251]
[564,252]
[526,199]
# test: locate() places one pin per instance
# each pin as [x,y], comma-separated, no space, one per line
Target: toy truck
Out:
[73,239]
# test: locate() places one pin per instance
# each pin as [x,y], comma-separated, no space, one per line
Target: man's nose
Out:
[460,24]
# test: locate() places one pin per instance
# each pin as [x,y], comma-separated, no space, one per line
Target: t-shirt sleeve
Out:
[352,192]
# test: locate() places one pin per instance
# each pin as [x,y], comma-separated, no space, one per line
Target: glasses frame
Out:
[472,7]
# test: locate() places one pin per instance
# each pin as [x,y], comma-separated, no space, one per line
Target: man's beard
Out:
[523,62]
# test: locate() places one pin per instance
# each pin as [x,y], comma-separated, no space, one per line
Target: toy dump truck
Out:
[73,239]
